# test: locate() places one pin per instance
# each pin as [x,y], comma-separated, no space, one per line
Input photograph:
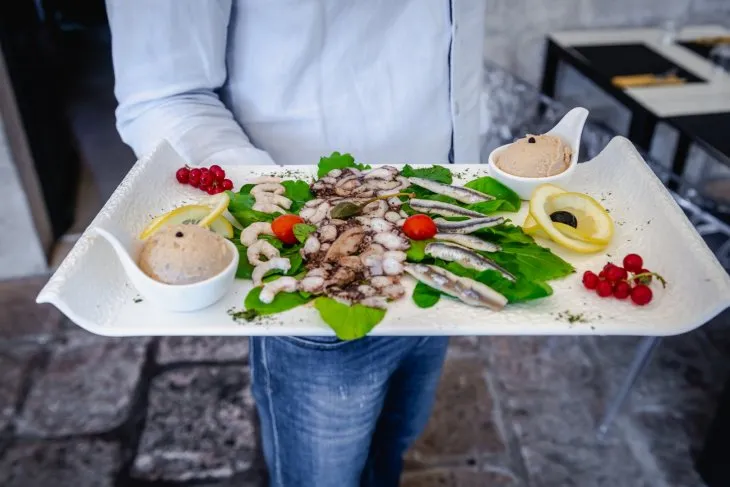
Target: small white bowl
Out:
[172,297]
[569,129]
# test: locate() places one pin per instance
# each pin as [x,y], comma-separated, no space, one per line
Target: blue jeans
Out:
[342,414]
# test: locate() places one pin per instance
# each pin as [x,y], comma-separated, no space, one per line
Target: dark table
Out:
[711,131]
[689,108]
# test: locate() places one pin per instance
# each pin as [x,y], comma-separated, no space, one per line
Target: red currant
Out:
[212,190]
[604,289]
[227,184]
[205,188]
[207,179]
[602,275]
[214,168]
[218,173]
[615,274]
[641,295]
[608,266]
[183,175]
[590,280]
[622,290]
[633,263]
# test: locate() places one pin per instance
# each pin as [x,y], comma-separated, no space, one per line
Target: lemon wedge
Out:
[190,214]
[595,227]
[218,204]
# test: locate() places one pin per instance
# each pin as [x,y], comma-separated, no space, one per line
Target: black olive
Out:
[531,140]
[565,217]
[179,234]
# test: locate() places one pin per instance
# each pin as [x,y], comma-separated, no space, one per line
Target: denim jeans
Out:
[342,414]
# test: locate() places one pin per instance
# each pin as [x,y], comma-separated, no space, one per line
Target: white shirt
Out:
[288,81]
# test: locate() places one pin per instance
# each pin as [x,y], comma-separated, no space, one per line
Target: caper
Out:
[565,217]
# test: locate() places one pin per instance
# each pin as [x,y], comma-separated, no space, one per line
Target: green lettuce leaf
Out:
[337,161]
[348,322]
[435,173]
[245,269]
[417,250]
[303,230]
[298,192]
[531,261]
[518,291]
[425,296]
[282,302]
[241,207]
[504,234]
[487,185]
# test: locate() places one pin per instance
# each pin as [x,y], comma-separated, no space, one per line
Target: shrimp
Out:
[259,248]
[251,233]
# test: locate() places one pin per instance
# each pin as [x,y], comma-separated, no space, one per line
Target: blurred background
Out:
[61,158]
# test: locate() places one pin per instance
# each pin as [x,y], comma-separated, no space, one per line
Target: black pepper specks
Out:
[531,140]
[179,234]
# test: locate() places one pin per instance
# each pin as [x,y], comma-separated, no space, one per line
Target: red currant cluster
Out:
[621,282]
[212,180]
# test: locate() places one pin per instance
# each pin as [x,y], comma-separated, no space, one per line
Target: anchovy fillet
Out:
[469,291]
[467,226]
[441,208]
[460,193]
[466,257]
[469,241]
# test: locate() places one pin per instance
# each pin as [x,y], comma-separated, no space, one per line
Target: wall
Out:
[516,29]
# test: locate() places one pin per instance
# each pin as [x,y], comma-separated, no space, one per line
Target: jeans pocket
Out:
[316,342]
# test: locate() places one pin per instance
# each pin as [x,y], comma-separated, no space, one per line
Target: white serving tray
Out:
[91,288]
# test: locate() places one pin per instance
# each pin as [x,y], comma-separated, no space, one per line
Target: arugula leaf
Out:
[302,231]
[298,192]
[425,296]
[337,161]
[491,186]
[282,302]
[348,322]
[531,261]
[245,269]
[241,207]
[435,173]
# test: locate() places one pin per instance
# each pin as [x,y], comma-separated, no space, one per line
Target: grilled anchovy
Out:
[469,241]
[467,290]
[467,226]
[466,257]
[441,208]
[460,193]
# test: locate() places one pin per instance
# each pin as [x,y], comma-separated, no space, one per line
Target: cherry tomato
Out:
[283,228]
[419,227]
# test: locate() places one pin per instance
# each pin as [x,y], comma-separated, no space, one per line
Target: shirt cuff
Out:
[240,156]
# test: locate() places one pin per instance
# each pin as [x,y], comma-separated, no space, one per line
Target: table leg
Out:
[680,160]
[550,71]
[641,130]
[641,358]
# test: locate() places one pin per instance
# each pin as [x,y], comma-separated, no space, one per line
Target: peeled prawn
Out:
[251,233]
[259,248]
[271,289]
[281,263]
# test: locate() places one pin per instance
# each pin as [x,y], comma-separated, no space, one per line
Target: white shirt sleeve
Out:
[169,60]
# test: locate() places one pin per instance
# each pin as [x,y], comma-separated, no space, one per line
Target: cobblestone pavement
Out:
[80,410]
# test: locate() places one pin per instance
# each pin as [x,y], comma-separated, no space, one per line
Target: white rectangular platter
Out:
[91,288]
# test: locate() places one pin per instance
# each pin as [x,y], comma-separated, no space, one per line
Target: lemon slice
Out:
[189,214]
[541,207]
[595,225]
[218,204]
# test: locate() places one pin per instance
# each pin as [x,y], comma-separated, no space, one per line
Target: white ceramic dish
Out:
[569,129]
[180,298]
[92,289]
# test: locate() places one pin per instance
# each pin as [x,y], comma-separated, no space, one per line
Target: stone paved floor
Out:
[80,410]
